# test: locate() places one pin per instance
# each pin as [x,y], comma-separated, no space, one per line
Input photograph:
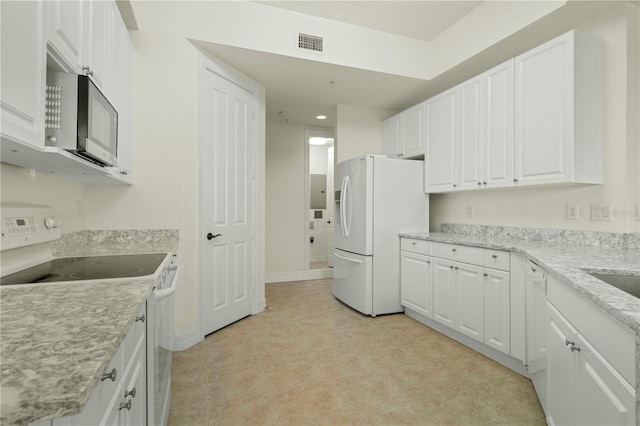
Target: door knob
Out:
[210,236]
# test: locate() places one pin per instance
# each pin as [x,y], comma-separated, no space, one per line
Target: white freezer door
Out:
[353,280]
[353,230]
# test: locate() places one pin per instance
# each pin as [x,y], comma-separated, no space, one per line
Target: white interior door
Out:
[226,168]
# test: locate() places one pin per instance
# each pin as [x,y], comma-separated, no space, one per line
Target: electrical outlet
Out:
[572,211]
[603,212]
[470,210]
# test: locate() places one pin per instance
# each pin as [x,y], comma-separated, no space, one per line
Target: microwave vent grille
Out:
[53,107]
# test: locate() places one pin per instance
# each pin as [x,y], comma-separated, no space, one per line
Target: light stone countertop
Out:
[568,263]
[57,339]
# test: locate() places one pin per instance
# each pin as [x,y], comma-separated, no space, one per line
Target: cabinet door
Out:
[561,402]
[441,170]
[412,137]
[415,280]
[471,137]
[392,132]
[603,397]
[444,292]
[136,390]
[23,58]
[544,105]
[66,32]
[497,310]
[498,126]
[469,314]
[98,19]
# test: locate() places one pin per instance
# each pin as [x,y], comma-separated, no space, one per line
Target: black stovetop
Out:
[87,268]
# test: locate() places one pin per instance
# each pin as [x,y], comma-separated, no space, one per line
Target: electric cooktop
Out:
[87,268]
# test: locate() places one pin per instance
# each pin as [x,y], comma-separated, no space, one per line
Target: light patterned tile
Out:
[310,360]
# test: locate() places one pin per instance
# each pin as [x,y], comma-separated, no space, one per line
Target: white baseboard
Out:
[310,274]
[186,340]
[504,359]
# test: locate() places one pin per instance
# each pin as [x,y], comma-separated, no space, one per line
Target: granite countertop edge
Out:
[32,402]
[623,307]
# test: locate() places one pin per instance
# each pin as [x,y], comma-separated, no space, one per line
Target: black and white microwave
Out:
[80,119]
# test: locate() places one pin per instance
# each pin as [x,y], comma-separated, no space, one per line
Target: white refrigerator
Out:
[376,199]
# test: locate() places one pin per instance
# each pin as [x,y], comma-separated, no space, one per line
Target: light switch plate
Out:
[602,212]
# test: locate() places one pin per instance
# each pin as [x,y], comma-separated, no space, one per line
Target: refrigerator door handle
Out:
[341,208]
[345,206]
[346,258]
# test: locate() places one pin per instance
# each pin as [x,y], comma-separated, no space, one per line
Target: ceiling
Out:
[303,88]
[422,20]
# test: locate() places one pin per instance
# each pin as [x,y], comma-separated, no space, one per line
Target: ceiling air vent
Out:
[309,42]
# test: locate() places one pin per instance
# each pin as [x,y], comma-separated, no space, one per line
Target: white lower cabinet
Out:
[465,288]
[416,290]
[120,397]
[584,388]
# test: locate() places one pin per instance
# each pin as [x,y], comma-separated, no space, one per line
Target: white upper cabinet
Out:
[497,168]
[471,121]
[96,58]
[558,111]
[441,150]
[23,59]
[392,131]
[403,133]
[66,32]
[475,149]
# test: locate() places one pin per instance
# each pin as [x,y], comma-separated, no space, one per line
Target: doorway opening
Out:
[319,147]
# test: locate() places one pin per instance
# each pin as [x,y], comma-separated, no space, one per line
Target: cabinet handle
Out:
[428,261]
[126,405]
[413,243]
[479,183]
[484,183]
[451,267]
[131,393]
[494,256]
[572,345]
[87,70]
[140,318]
[400,155]
[454,250]
[124,172]
[515,181]
[456,268]
[112,375]
[455,186]
[485,274]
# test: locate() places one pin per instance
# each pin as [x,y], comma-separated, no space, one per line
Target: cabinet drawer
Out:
[466,254]
[415,246]
[497,259]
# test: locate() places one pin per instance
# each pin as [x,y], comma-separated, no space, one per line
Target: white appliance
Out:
[161,314]
[80,119]
[376,199]
[537,319]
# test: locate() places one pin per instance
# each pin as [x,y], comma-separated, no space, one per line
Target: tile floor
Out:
[310,360]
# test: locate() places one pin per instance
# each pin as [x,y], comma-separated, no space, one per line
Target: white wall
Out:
[545,207]
[359,131]
[22,186]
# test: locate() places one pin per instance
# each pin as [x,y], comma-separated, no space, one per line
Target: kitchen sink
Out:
[627,283]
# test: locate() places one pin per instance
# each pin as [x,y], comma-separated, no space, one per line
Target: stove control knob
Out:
[50,222]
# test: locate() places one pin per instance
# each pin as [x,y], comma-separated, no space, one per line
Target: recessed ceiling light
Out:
[321,117]
[317,140]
